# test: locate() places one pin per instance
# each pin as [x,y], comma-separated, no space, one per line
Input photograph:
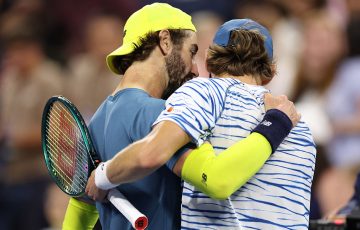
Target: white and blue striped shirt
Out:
[224,111]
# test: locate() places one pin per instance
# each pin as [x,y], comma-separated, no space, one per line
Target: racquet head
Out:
[68,151]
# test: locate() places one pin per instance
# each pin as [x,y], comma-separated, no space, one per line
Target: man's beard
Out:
[175,66]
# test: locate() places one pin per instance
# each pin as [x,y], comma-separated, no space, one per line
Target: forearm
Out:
[80,215]
[220,176]
[131,164]
[143,157]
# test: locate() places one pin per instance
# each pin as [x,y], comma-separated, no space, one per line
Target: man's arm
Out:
[80,215]
[145,156]
[148,154]
[221,175]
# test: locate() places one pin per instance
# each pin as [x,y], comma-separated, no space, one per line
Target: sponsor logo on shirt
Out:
[174,110]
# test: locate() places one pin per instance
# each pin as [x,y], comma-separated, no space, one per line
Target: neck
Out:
[149,75]
[248,79]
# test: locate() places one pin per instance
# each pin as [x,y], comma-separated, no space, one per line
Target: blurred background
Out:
[59,47]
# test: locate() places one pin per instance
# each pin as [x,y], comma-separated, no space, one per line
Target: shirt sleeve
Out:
[192,108]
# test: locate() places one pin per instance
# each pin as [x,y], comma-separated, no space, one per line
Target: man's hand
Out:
[94,192]
[283,104]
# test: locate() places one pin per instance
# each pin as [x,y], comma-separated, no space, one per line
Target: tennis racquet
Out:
[70,156]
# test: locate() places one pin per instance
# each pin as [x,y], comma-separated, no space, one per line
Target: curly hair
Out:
[147,45]
[244,55]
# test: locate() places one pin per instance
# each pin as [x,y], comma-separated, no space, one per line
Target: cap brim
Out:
[121,51]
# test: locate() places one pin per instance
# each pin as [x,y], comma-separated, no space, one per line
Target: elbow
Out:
[219,191]
[223,187]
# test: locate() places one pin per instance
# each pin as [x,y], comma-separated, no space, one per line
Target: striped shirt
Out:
[224,111]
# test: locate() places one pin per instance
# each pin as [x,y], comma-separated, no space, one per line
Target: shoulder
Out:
[137,97]
[204,88]
[152,104]
[209,83]
[132,101]
[302,132]
[143,105]
[195,84]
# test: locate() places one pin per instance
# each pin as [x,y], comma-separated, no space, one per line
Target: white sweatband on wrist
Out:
[101,180]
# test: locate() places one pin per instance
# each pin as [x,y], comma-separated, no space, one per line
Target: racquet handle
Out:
[138,220]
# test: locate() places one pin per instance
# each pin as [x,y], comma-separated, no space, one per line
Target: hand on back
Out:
[283,104]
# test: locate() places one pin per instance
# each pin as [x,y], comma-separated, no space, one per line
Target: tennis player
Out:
[278,196]
[161,60]
[223,110]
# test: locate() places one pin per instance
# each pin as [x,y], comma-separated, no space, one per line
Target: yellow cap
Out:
[150,18]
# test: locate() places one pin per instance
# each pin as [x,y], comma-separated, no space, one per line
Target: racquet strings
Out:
[66,150]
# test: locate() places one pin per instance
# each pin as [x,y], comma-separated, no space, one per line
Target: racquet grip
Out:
[138,220]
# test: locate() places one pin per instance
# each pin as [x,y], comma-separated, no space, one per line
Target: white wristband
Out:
[101,180]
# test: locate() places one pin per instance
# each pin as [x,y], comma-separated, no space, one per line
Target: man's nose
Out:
[194,68]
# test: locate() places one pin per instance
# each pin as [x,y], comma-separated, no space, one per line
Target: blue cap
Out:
[222,36]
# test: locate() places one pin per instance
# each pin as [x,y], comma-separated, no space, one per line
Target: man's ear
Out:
[206,58]
[166,44]
[273,69]
[265,81]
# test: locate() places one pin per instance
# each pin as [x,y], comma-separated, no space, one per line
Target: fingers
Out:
[283,104]
[272,102]
[94,192]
